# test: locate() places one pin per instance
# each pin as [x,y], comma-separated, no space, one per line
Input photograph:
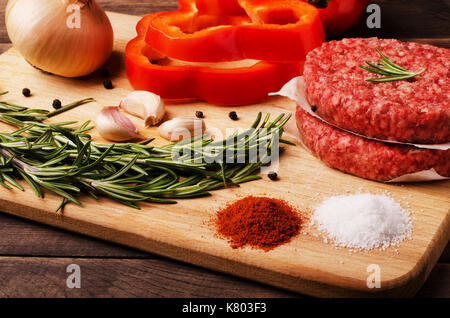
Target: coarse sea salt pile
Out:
[363,221]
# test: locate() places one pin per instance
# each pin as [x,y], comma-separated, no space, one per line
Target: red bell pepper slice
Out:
[337,15]
[270,30]
[217,7]
[341,15]
[217,85]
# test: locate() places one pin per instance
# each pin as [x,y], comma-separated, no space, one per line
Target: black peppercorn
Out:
[26,92]
[108,84]
[313,109]
[153,62]
[199,114]
[273,175]
[105,73]
[56,104]
[233,115]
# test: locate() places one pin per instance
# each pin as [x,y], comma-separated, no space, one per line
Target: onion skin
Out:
[39,30]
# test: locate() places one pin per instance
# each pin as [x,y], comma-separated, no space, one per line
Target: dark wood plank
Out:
[438,283]
[4,47]
[445,257]
[405,19]
[138,7]
[3,34]
[20,237]
[46,277]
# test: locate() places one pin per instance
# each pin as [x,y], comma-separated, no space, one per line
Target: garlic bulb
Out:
[181,128]
[69,38]
[145,105]
[113,125]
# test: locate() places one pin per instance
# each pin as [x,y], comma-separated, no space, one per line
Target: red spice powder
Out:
[259,222]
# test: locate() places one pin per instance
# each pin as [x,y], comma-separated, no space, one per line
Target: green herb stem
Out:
[70,106]
[65,161]
[391,71]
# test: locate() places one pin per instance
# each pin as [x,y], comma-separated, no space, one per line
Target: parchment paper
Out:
[294,90]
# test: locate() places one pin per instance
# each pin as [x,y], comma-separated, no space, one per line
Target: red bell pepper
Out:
[269,30]
[217,7]
[340,15]
[337,15]
[217,85]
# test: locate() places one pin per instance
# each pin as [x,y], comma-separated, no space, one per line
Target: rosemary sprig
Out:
[65,161]
[69,107]
[390,70]
[16,115]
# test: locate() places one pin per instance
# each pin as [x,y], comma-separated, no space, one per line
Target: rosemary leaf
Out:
[390,70]
[70,106]
[65,161]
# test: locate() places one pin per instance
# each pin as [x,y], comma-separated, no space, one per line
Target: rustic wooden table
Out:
[34,257]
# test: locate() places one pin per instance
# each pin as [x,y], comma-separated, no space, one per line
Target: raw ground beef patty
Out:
[416,111]
[363,157]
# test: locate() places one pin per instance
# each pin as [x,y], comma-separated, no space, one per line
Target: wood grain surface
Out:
[33,257]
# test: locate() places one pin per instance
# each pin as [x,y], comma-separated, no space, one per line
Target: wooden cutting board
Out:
[307,264]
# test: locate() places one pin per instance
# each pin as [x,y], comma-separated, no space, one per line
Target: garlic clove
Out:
[114,126]
[145,105]
[181,128]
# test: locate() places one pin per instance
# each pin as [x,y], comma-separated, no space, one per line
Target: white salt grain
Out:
[363,221]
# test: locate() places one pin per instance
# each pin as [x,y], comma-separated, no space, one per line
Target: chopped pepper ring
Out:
[337,15]
[270,30]
[341,15]
[217,85]
[217,7]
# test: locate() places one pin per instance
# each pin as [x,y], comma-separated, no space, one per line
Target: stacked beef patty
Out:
[409,111]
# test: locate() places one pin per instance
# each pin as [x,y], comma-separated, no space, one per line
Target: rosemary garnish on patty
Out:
[65,161]
[390,70]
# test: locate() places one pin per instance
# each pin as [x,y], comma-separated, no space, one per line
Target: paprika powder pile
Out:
[258,222]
